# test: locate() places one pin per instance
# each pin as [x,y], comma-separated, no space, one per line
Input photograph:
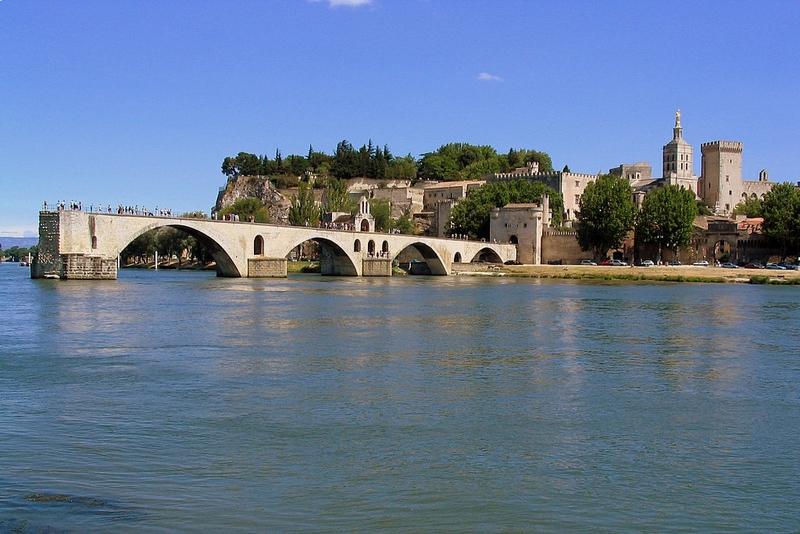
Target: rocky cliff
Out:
[254,187]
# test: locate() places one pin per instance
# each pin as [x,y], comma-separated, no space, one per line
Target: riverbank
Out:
[682,273]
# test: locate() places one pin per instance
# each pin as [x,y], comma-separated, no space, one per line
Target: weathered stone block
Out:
[266,267]
[376,267]
[82,267]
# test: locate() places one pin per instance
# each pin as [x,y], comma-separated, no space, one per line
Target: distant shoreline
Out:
[644,274]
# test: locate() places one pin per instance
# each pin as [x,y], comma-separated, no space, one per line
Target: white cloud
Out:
[486,77]
[348,3]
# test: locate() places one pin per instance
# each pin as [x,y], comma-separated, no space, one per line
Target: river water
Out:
[181,401]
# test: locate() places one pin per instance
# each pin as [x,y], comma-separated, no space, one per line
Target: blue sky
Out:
[137,101]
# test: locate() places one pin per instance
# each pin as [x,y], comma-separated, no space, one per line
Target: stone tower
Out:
[721,175]
[677,161]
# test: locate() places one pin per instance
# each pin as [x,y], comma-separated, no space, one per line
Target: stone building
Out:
[454,191]
[571,185]
[438,200]
[362,221]
[636,173]
[721,184]
[521,225]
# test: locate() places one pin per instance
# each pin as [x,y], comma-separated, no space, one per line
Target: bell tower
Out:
[677,161]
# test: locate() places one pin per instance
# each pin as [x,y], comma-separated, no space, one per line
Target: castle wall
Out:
[561,247]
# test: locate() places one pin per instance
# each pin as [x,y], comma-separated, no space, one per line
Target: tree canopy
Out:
[471,215]
[462,161]
[666,218]
[606,215]
[751,207]
[369,161]
[452,161]
[781,212]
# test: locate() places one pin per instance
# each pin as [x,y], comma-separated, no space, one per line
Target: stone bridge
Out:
[83,245]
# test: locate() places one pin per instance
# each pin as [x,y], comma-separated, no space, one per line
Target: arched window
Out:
[513,240]
[371,247]
[385,247]
[357,246]
[258,246]
[365,225]
[457,258]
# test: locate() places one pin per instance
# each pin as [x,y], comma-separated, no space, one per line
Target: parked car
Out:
[675,263]
[605,261]
[753,265]
[775,267]
[512,262]
[618,263]
[789,266]
[729,265]
[647,263]
[701,263]
[587,262]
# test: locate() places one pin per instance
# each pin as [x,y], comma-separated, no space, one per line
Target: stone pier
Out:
[266,267]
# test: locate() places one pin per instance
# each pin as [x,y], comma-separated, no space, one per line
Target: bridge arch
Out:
[487,255]
[224,259]
[334,259]
[435,262]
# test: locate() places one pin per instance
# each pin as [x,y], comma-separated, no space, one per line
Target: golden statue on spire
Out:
[678,119]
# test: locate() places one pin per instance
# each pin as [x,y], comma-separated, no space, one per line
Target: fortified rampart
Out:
[561,247]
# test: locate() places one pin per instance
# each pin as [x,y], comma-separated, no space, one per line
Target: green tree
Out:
[337,198]
[703,209]
[666,218]
[751,207]
[404,168]
[471,215]
[171,242]
[381,209]
[781,212]
[345,162]
[606,214]
[248,209]
[304,210]
[403,224]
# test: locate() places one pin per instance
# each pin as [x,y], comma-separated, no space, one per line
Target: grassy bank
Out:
[654,274]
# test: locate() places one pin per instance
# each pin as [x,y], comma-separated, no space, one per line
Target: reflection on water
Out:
[183,401]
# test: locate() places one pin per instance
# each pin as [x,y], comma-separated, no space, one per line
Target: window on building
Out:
[577,183]
[577,199]
[524,225]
